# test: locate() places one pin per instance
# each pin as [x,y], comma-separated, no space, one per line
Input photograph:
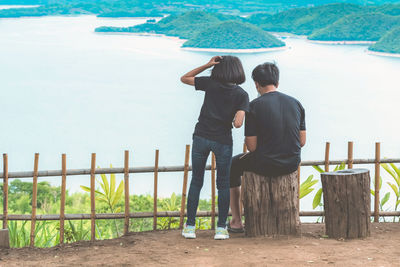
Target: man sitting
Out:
[275,132]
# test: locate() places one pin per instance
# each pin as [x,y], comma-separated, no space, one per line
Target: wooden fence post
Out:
[155,190]
[62,201]
[34,199]
[377,180]
[184,187]
[350,155]
[92,198]
[327,148]
[241,187]
[126,191]
[5,190]
[212,191]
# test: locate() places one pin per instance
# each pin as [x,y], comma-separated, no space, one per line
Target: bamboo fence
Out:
[156,169]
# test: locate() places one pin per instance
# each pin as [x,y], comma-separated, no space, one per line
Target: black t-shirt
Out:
[221,102]
[276,119]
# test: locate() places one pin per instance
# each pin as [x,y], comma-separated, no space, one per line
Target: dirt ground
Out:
[170,248]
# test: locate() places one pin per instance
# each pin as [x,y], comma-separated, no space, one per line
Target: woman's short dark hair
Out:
[266,74]
[229,70]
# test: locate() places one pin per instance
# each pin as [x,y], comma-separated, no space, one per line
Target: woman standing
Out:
[224,106]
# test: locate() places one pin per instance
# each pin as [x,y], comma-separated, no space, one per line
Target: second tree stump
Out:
[271,205]
[347,203]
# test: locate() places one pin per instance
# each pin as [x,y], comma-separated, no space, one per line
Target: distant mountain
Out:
[233,35]
[389,43]
[357,27]
[304,21]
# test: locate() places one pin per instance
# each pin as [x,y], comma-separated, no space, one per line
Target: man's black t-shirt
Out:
[221,102]
[276,119]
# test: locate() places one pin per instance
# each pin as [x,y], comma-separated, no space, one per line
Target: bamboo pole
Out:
[126,192]
[62,201]
[160,214]
[150,169]
[92,198]
[377,180]
[5,190]
[213,191]
[350,155]
[327,148]
[241,211]
[34,199]
[155,196]
[184,187]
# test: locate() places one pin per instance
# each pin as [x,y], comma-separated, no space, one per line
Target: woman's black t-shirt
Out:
[221,102]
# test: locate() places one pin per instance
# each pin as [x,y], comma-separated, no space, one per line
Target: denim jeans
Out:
[223,155]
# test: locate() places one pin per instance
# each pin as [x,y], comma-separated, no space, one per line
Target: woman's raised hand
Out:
[214,61]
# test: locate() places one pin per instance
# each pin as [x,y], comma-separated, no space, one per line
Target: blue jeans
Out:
[223,155]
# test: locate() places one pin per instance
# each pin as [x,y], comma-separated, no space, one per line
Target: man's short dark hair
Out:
[229,70]
[266,74]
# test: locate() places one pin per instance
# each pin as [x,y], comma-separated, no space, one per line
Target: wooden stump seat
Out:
[271,205]
[347,203]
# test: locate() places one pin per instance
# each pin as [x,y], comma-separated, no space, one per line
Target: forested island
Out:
[206,30]
[389,43]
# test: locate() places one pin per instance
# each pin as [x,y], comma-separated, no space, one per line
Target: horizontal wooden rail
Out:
[164,214]
[29,174]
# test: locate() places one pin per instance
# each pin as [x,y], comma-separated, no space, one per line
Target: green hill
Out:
[304,20]
[357,27]
[233,35]
[389,43]
[185,26]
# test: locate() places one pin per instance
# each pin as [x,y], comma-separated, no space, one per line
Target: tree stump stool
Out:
[271,205]
[347,203]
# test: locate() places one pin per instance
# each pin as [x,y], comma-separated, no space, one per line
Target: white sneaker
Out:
[188,232]
[221,233]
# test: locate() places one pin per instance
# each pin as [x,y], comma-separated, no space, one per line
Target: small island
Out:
[389,43]
[233,35]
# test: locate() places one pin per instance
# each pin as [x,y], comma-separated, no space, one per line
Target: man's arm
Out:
[251,143]
[302,138]
[239,118]
[188,78]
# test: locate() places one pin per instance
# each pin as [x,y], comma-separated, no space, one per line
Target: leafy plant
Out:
[395,174]
[109,195]
[306,187]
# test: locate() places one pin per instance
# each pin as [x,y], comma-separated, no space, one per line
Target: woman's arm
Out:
[239,118]
[188,78]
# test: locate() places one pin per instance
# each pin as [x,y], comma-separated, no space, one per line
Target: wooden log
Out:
[213,191]
[5,190]
[347,203]
[271,205]
[126,192]
[184,187]
[93,198]
[34,199]
[377,180]
[155,195]
[350,155]
[241,188]
[327,148]
[62,200]
[4,239]
[298,184]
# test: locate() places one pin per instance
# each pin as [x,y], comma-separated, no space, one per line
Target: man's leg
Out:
[237,170]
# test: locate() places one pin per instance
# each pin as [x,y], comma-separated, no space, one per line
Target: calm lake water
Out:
[66,89]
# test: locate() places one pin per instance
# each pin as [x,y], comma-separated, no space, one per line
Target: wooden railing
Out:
[126,170]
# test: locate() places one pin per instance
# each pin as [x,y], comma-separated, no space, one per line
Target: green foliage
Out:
[389,43]
[306,186]
[394,172]
[357,27]
[234,35]
[305,20]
